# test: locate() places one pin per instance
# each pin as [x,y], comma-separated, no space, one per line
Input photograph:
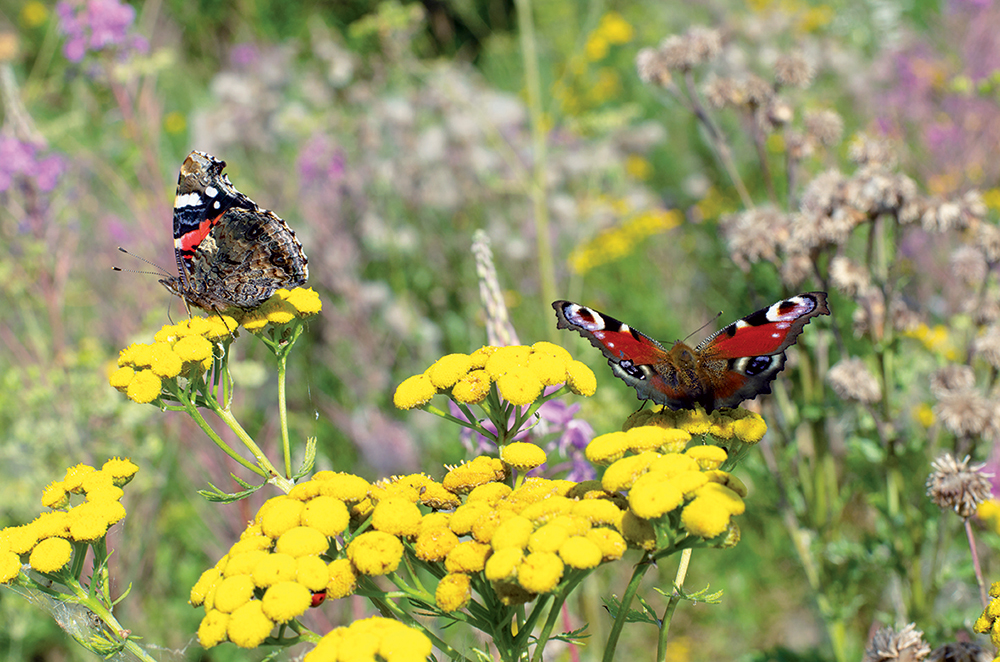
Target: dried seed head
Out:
[851,380]
[887,645]
[955,485]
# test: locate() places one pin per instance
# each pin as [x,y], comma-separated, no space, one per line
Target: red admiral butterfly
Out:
[230,252]
[730,366]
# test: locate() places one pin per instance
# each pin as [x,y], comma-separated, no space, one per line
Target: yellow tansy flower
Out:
[286,600]
[540,572]
[468,557]
[121,470]
[482,355]
[10,566]
[749,429]
[326,514]
[515,532]
[165,363]
[453,592]
[653,496]
[580,379]
[243,563]
[550,369]
[397,516]
[144,387]
[51,554]
[312,572]
[193,348]
[478,471]
[248,626]
[472,388]
[121,377]
[375,553]
[519,387]
[621,474]
[55,495]
[705,517]
[490,493]
[580,552]
[233,593]
[301,541]
[343,579]
[212,630]
[280,514]
[274,568]
[551,349]
[503,360]
[607,448]
[548,538]
[414,392]
[208,579]
[448,369]
[434,544]
[610,542]
[503,564]
[346,487]
[305,300]
[523,456]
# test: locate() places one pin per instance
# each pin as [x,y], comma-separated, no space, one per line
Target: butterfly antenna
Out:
[160,270]
[717,316]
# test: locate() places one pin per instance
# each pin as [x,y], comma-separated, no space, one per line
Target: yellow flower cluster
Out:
[179,348]
[616,243]
[362,640]
[989,512]
[650,464]
[988,622]
[725,425]
[519,373]
[46,539]
[270,575]
[612,29]
[283,307]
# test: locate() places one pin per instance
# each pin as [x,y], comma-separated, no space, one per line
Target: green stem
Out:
[675,598]
[195,414]
[532,81]
[619,625]
[275,478]
[283,414]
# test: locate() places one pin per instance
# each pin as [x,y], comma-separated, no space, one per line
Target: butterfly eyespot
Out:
[629,368]
[756,365]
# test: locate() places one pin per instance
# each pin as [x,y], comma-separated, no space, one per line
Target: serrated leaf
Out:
[698,596]
[572,637]
[613,605]
[216,495]
[308,461]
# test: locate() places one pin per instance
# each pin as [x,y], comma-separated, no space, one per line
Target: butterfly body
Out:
[735,364]
[231,253]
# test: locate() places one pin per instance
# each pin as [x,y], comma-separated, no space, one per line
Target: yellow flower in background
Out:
[174,123]
[33,14]
[638,167]
[615,243]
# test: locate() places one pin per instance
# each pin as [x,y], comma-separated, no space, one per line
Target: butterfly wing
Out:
[633,356]
[742,360]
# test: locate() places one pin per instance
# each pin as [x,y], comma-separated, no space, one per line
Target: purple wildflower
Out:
[321,162]
[97,25]
[21,160]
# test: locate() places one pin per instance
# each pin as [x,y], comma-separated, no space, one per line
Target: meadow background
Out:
[388,133]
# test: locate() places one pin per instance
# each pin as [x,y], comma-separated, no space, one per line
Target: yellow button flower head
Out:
[448,369]
[274,568]
[549,368]
[10,566]
[55,495]
[248,626]
[548,538]
[51,554]
[243,563]
[375,553]
[671,464]
[599,512]
[695,421]
[472,388]
[580,379]
[165,363]
[519,387]
[482,355]
[468,557]
[729,499]
[551,349]
[212,630]
[233,593]
[453,592]
[326,514]
[144,387]
[750,428]
[580,552]
[610,542]
[503,564]
[522,456]
[540,572]
[301,541]
[346,487]
[280,514]
[343,579]
[121,377]
[490,494]
[607,448]
[48,525]
[434,544]
[286,600]
[515,532]
[193,348]
[312,572]
[484,528]
[623,473]
[87,522]
[466,515]
[414,392]
[397,516]
[121,470]
[304,300]
[468,475]
[208,580]
[653,496]
[705,517]
[503,360]
[708,457]
[727,479]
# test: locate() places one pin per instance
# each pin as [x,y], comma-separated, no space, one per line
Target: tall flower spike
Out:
[957,486]
[499,330]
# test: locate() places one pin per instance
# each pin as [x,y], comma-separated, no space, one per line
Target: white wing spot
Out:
[187,200]
[211,191]
[216,205]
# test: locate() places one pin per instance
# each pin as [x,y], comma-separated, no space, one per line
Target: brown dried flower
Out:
[848,276]
[964,412]
[792,69]
[968,264]
[824,126]
[955,485]
[952,377]
[887,645]
[697,46]
[755,235]
[652,68]
[865,150]
[988,346]
[851,380]
[960,651]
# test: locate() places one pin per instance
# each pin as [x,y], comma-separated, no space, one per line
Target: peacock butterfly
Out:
[730,366]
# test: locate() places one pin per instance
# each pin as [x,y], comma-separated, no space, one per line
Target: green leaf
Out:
[218,496]
[309,461]
[699,596]
[613,605]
